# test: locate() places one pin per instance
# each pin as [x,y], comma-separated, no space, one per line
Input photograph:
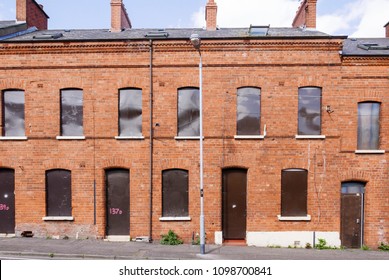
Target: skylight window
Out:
[259,30]
[371,47]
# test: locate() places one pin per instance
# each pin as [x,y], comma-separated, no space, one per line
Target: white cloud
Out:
[356,18]
[242,13]
[359,18]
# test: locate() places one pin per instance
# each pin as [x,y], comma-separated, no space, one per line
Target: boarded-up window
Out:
[294,192]
[309,111]
[13,113]
[188,112]
[58,193]
[368,125]
[130,112]
[72,112]
[248,111]
[175,193]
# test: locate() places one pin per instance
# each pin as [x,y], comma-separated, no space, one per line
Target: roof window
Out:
[371,47]
[259,30]
[47,36]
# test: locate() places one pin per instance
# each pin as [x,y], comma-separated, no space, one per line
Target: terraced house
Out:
[100,132]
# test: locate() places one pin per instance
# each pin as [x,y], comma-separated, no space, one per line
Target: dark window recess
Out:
[13,113]
[130,112]
[72,112]
[294,192]
[368,125]
[58,193]
[175,193]
[188,112]
[309,111]
[248,111]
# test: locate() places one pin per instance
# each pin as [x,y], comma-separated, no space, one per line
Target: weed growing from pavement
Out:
[171,238]
[323,245]
[383,247]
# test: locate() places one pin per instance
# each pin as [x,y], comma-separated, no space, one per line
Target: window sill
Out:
[187,138]
[370,151]
[249,137]
[302,137]
[176,219]
[13,138]
[58,218]
[294,218]
[129,137]
[70,137]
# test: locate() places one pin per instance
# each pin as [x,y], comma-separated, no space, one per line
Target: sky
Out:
[355,18]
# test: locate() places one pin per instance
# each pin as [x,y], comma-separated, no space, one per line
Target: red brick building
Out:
[100,133]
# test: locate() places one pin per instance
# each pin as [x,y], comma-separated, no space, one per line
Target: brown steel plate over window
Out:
[368,125]
[58,192]
[130,112]
[13,113]
[72,112]
[248,111]
[309,111]
[7,200]
[175,193]
[188,112]
[294,192]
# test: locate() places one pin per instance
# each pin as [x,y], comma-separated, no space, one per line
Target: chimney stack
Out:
[306,14]
[119,16]
[32,13]
[211,15]
[387,30]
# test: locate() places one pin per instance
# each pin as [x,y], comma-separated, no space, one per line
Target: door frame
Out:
[357,188]
[13,207]
[223,204]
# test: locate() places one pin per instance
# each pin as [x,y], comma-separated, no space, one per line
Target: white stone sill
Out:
[129,137]
[187,137]
[370,151]
[174,219]
[13,138]
[58,218]
[249,137]
[70,138]
[294,218]
[302,137]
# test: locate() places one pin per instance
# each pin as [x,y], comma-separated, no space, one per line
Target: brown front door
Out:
[351,220]
[7,201]
[234,203]
[118,202]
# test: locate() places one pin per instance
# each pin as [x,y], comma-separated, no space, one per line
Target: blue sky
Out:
[357,18]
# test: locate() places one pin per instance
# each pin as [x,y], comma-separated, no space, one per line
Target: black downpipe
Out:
[151,143]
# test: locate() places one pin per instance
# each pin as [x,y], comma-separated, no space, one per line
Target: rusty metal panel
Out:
[13,113]
[309,111]
[130,112]
[294,192]
[351,220]
[234,203]
[368,125]
[72,112]
[58,192]
[188,112]
[7,200]
[118,201]
[175,193]
[248,111]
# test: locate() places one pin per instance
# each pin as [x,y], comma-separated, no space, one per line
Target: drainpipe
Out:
[151,143]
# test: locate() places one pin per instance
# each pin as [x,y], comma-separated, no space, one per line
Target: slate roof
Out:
[366,47]
[181,33]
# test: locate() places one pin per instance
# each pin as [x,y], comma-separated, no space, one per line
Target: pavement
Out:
[96,249]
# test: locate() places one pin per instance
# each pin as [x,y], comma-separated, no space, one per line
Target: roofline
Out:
[266,38]
[386,24]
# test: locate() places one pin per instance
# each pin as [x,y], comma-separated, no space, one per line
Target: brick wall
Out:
[306,14]
[276,66]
